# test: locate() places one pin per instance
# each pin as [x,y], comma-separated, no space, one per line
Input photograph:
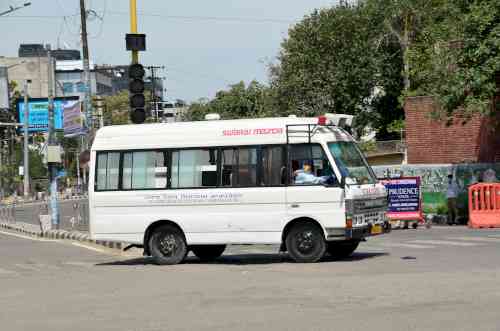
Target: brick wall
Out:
[432,141]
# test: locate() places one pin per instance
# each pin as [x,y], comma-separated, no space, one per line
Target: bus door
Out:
[256,176]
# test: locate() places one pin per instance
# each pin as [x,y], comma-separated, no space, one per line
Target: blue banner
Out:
[403,195]
[38,113]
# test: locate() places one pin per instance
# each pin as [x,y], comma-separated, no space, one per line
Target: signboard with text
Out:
[404,198]
[73,119]
[38,112]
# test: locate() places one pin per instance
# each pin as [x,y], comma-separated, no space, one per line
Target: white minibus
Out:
[173,188]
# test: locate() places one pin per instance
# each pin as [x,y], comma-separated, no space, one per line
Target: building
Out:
[38,50]
[463,140]
[34,69]
[70,79]
[120,80]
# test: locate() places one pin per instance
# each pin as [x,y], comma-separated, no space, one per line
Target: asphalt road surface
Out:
[427,279]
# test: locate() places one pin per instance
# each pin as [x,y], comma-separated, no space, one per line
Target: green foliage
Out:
[457,56]
[341,60]
[240,101]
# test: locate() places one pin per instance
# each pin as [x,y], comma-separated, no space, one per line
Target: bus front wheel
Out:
[208,252]
[168,245]
[306,243]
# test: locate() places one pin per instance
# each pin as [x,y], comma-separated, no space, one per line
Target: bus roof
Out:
[214,133]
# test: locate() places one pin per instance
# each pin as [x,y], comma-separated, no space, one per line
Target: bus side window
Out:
[309,160]
[273,172]
[194,168]
[107,171]
[228,165]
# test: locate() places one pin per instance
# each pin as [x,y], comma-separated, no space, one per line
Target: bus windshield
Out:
[351,162]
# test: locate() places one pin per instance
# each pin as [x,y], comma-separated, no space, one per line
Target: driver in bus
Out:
[306,176]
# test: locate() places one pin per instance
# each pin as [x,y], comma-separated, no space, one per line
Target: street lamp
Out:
[12,8]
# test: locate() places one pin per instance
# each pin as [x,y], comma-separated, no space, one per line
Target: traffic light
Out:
[136,89]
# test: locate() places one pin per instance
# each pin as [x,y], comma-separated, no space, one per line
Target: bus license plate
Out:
[376,229]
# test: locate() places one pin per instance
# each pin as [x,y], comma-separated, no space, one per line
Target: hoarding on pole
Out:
[73,119]
[404,198]
[38,113]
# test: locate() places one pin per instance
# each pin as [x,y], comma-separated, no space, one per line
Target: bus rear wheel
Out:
[306,243]
[342,250]
[208,253]
[168,245]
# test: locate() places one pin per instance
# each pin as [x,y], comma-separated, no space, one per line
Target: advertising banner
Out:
[72,119]
[404,198]
[38,113]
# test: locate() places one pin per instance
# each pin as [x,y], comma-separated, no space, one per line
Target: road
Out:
[426,279]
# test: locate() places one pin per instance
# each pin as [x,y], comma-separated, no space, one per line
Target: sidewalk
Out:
[35,230]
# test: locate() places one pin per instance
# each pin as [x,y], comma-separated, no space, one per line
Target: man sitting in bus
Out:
[305,176]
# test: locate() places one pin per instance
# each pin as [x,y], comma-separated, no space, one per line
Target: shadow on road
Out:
[246,259]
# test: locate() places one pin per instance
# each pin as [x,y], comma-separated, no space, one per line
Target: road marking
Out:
[444,242]
[26,237]
[91,248]
[27,267]
[478,239]
[6,272]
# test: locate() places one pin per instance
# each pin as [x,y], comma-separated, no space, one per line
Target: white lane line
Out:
[26,237]
[90,248]
[6,272]
[27,267]
[402,245]
[444,242]
[478,239]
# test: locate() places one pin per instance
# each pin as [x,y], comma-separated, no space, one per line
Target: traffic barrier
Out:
[484,205]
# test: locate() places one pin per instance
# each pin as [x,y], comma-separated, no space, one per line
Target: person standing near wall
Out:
[451,195]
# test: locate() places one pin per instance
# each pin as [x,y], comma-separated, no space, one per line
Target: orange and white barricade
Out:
[484,205]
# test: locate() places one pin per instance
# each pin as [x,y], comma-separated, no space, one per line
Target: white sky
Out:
[204,45]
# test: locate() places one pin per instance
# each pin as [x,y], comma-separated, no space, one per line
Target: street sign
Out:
[404,198]
[38,112]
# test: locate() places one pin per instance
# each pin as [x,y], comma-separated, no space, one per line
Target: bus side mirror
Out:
[342,182]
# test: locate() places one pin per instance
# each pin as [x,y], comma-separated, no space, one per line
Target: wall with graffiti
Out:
[435,181]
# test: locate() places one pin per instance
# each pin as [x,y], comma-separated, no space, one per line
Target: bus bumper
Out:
[358,233]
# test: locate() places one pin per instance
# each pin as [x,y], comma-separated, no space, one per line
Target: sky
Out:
[204,45]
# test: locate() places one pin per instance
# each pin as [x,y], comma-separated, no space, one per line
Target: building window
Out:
[107,171]
[80,87]
[194,168]
[144,170]
[68,87]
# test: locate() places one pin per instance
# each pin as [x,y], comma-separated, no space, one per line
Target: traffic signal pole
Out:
[133,27]
[51,158]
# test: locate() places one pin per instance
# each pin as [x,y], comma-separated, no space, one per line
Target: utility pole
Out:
[26,167]
[86,73]
[154,100]
[53,152]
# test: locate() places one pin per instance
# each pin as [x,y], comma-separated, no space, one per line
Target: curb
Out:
[32,230]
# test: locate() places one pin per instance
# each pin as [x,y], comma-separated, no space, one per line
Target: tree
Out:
[341,60]
[240,101]
[457,57]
